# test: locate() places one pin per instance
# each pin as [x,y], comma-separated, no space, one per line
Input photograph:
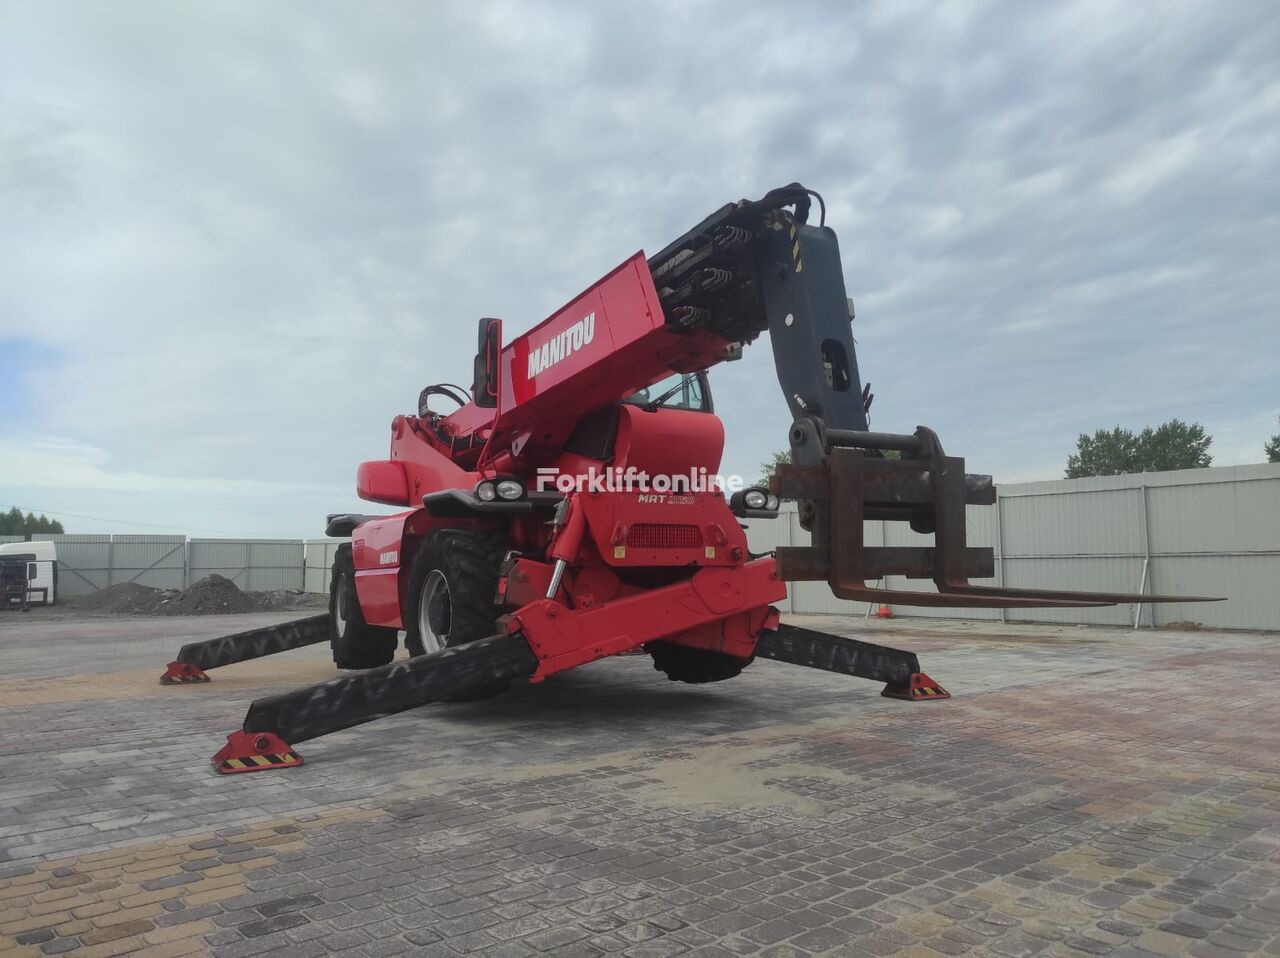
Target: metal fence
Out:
[87,563]
[1192,532]
[319,560]
[255,565]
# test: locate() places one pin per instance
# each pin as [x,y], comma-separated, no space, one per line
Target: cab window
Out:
[681,391]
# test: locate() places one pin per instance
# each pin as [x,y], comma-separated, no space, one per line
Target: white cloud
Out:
[1153,165]
[243,241]
[59,463]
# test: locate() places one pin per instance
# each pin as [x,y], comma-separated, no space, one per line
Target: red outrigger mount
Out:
[254,751]
[179,673]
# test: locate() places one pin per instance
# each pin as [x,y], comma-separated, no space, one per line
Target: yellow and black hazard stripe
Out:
[254,762]
[919,687]
[795,248]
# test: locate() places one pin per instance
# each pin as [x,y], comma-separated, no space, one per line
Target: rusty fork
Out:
[844,478]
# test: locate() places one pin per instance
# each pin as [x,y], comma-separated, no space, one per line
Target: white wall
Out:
[1197,531]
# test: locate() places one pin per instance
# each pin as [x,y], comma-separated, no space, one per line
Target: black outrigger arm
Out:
[275,723]
[195,659]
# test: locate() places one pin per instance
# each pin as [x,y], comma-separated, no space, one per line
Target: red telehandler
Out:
[557,515]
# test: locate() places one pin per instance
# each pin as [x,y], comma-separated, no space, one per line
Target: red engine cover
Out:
[664,529]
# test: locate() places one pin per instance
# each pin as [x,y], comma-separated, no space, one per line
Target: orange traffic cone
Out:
[884,612]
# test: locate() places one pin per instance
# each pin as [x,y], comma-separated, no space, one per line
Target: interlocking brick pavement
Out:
[1086,792]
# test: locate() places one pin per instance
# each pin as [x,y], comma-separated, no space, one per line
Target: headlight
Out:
[486,491]
[510,489]
[754,503]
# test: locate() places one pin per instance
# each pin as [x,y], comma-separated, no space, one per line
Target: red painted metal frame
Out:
[614,519]
[562,638]
[603,345]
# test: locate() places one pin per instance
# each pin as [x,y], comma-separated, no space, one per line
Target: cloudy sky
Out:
[237,238]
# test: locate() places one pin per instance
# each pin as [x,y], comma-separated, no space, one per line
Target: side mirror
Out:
[484,389]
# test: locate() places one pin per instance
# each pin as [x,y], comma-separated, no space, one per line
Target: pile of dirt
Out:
[212,595]
[127,598]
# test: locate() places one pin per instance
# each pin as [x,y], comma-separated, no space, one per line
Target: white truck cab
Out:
[42,568]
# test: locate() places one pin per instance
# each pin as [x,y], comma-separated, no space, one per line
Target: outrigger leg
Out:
[195,659]
[899,670]
[275,723]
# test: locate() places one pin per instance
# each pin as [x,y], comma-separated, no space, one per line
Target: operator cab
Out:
[595,435]
[681,391]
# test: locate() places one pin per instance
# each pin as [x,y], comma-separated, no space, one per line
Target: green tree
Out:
[10,522]
[1114,452]
[14,523]
[770,466]
[48,526]
[1272,449]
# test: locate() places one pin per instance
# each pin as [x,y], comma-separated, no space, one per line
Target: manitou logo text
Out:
[388,558]
[562,346]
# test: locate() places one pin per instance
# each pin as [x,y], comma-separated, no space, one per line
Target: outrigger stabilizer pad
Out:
[918,688]
[253,752]
[178,673]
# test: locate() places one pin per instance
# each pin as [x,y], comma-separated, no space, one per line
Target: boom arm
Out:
[753,266]
[750,266]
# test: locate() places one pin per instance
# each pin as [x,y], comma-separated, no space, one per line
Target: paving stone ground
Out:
[1086,792]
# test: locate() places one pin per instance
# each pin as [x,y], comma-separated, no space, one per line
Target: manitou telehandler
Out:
[556,516]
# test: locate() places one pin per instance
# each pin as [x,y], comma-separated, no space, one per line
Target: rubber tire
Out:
[362,646]
[470,560]
[694,666]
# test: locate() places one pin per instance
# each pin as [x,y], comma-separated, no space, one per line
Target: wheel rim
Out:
[434,612]
[340,606]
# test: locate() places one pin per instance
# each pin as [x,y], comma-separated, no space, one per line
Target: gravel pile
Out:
[212,595]
[127,598]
